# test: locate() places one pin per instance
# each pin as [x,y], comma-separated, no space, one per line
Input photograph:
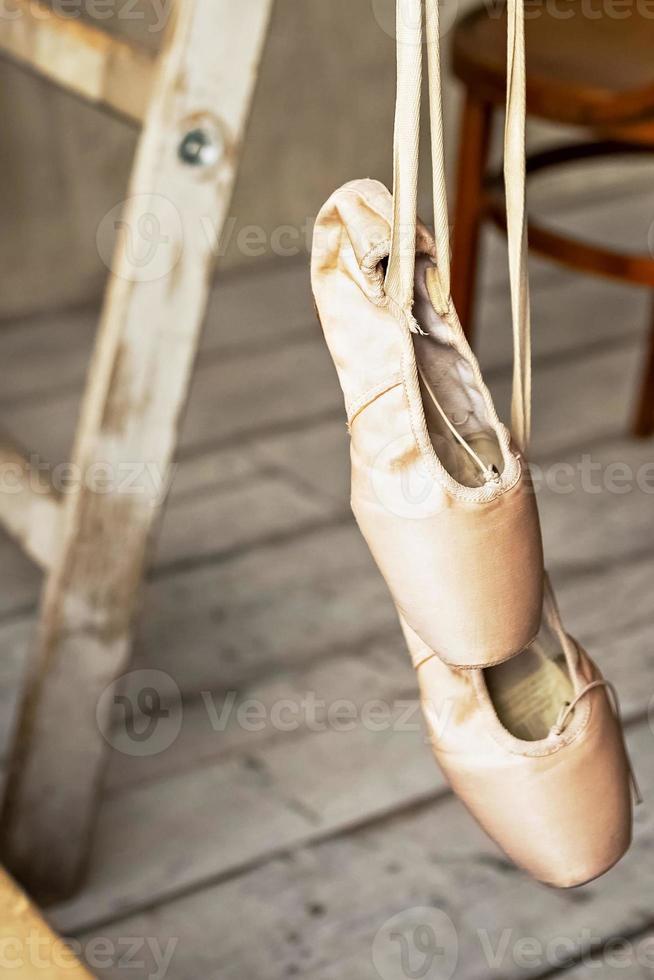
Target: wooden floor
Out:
[268,843]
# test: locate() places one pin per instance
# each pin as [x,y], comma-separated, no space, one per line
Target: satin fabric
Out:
[464,565]
[560,807]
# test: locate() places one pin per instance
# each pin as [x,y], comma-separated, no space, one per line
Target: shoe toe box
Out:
[560,808]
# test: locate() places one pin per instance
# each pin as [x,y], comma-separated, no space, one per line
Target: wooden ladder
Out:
[192,102]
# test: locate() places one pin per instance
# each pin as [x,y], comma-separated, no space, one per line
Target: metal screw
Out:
[200,148]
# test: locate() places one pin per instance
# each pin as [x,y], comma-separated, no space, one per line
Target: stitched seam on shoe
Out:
[482,666]
[492,663]
[426,241]
[543,753]
[434,653]
[511,744]
[370,395]
[449,485]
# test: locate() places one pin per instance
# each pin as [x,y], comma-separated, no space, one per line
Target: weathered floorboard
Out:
[251,601]
[251,318]
[328,779]
[316,913]
[134,396]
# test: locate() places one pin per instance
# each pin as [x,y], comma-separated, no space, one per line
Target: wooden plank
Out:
[366,621]
[297,385]
[315,457]
[89,62]
[304,597]
[558,311]
[15,638]
[48,355]
[259,636]
[617,639]
[321,590]
[244,515]
[251,319]
[20,580]
[609,484]
[506,926]
[135,393]
[251,314]
[216,724]
[285,762]
[28,947]
[243,809]
[226,724]
[594,505]
[247,314]
[378,669]
[30,508]
[293,610]
[331,778]
[619,957]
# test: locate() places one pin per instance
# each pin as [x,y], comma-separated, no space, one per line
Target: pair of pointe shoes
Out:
[522,722]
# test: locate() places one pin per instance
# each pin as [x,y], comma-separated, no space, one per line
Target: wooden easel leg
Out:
[181,186]
[474,137]
[643,422]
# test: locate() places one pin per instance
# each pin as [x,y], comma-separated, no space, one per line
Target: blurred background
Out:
[287,818]
[323,113]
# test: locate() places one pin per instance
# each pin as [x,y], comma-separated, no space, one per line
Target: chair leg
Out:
[643,421]
[474,139]
[126,435]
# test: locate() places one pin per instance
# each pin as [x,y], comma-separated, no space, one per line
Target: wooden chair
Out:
[584,68]
[192,103]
